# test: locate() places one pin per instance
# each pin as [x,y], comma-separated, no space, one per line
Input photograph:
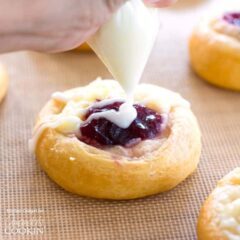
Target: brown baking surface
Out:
[168,216]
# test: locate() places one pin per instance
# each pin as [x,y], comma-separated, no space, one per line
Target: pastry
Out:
[219,218]
[90,155]
[215,50]
[83,48]
[3,82]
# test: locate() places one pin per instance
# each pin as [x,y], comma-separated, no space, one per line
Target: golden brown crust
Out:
[3,82]
[215,56]
[206,230]
[83,48]
[89,171]
[216,221]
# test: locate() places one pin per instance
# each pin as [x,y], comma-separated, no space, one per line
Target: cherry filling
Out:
[99,132]
[232,18]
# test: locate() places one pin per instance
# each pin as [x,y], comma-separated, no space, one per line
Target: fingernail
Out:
[161,3]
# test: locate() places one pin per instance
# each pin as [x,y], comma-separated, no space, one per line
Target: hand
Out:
[160,3]
[54,25]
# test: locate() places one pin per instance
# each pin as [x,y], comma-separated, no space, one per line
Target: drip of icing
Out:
[60,96]
[69,122]
[106,102]
[122,118]
[65,124]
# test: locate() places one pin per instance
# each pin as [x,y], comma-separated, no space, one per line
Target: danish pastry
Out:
[83,48]
[219,217]
[3,82]
[215,50]
[94,157]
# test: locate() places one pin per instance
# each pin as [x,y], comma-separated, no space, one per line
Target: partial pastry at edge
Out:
[219,216]
[3,82]
[215,50]
[83,48]
[141,167]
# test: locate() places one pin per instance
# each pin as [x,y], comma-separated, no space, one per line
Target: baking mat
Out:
[33,207]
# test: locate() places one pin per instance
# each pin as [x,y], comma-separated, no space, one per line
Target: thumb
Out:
[160,3]
[112,5]
[103,9]
[97,13]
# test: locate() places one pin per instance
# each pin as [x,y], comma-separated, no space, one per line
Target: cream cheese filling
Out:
[221,26]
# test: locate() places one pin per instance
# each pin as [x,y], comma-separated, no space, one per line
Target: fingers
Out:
[160,3]
[113,4]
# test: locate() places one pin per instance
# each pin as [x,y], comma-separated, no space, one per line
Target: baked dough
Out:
[3,82]
[154,166]
[215,52]
[83,48]
[219,218]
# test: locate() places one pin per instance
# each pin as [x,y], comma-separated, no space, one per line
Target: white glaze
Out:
[106,102]
[60,96]
[69,120]
[122,118]
[64,124]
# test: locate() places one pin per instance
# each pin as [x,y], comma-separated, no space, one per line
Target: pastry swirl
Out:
[215,50]
[219,216]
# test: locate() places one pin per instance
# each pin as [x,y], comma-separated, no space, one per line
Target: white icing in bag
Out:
[125,42]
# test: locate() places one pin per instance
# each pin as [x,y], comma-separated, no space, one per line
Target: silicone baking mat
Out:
[33,207]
